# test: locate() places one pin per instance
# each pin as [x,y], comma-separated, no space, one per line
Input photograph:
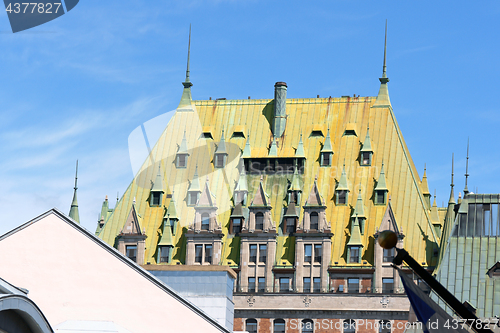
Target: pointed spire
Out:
[466,190]
[343,181]
[221,147]
[327,145]
[300,148]
[242,185]
[195,183]
[383,93]
[158,184]
[186,99]
[367,145]
[459,201]
[247,151]
[452,194]
[166,238]
[291,210]
[273,151]
[424,184]
[73,212]
[315,198]
[295,183]
[355,239]
[260,198]
[359,210]
[172,210]
[207,199]
[381,184]
[183,146]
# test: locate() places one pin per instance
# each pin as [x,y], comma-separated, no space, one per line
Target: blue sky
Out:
[76,87]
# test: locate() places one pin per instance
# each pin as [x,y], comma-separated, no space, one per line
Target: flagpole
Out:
[439,289]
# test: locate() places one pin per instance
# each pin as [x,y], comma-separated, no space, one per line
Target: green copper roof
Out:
[237,211]
[342,186]
[247,151]
[273,151]
[295,184]
[194,186]
[158,184]
[381,185]
[221,147]
[300,148]
[242,185]
[183,147]
[355,234]
[73,212]
[166,234]
[327,145]
[172,210]
[367,145]
[359,210]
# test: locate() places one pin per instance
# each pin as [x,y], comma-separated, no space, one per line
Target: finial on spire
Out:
[189,53]
[73,212]
[185,103]
[384,73]
[117,196]
[452,167]
[466,190]
[76,176]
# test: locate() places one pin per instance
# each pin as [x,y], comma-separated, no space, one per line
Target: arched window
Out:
[251,326]
[279,326]
[314,221]
[349,326]
[259,221]
[307,326]
[205,221]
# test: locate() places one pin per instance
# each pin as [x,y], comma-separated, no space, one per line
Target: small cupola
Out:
[381,190]
[157,191]
[220,156]
[366,151]
[327,151]
[342,190]
[181,158]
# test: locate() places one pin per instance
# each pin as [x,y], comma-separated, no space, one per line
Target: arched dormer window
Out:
[314,221]
[259,221]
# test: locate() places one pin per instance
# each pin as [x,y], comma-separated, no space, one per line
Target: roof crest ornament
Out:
[383,94]
[185,103]
[466,190]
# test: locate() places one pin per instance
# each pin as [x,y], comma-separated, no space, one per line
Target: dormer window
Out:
[205,221]
[326,159]
[342,197]
[380,197]
[259,221]
[290,225]
[235,226]
[131,251]
[366,158]
[156,198]
[314,221]
[354,254]
[220,160]
[193,198]
[293,197]
[181,161]
[165,254]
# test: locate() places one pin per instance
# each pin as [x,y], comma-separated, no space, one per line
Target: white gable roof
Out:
[73,275]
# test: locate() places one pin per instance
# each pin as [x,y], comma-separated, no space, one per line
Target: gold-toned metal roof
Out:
[303,116]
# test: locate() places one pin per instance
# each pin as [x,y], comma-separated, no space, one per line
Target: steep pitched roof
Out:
[300,148]
[206,198]
[359,209]
[247,152]
[242,184]
[183,146]
[195,182]
[172,210]
[367,144]
[291,210]
[295,183]
[158,183]
[355,239]
[424,184]
[327,145]
[342,185]
[315,198]
[132,225]
[260,197]
[166,238]
[381,184]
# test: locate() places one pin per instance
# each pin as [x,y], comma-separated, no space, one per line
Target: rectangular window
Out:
[318,249]
[236,225]
[262,253]
[219,160]
[181,161]
[208,254]
[205,221]
[379,197]
[342,197]
[365,158]
[198,253]
[251,284]
[316,285]
[495,228]
[354,257]
[353,285]
[388,285]
[253,253]
[262,285]
[388,255]
[307,253]
[307,285]
[284,284]
[193,198]
[165,253]
[290,225]
[326,159]
[131,251]
[155,198]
